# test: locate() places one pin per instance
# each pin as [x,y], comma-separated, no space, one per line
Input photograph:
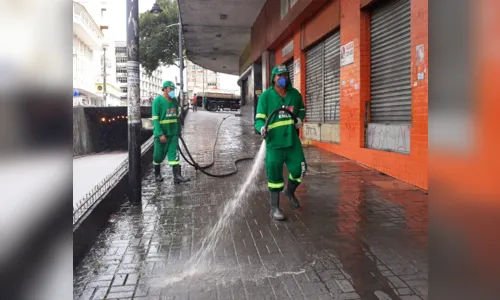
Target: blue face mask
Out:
[282,82]
[171,94]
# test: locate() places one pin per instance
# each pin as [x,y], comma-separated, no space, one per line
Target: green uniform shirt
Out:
[165,116]
[281,127]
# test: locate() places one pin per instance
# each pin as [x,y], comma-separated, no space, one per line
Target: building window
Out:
[284,8]
[120,50]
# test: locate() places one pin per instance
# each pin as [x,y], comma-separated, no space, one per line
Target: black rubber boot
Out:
[177,175]
[290,193]
[158,177]
[276,212]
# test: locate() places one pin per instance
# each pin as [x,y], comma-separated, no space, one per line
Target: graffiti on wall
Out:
[312,131]
[394,138]
[349,124]
[350,118]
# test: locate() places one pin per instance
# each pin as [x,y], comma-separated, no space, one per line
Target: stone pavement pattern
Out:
[358,235]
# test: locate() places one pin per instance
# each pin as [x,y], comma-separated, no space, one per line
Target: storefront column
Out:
[265,70]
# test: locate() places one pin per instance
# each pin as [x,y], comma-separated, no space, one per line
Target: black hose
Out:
[194,164]
[294,117]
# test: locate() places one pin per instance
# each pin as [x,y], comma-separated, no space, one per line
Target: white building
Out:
[150,85]
[200,79]
[98,11]
[87,43]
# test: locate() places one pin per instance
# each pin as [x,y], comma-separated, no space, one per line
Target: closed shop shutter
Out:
[332,78]
[289,66]
[314,83]
[391,63]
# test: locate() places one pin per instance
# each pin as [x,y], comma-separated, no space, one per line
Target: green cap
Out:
[281,69]
[169,84]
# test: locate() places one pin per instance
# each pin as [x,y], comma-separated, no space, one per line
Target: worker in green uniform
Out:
[166,130]
[282,139]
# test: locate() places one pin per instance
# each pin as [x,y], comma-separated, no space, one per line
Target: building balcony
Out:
[85,28]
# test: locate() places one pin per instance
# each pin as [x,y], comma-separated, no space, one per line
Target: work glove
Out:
[298,124]
[263,131]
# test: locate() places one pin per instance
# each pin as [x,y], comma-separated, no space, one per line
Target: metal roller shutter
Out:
[391,63]
[314,83]
[332,78]
[289,66]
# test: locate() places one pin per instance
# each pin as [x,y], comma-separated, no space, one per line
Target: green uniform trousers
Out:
[161,151]
[295,161]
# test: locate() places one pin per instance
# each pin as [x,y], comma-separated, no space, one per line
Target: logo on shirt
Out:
[283,114]
[171,112]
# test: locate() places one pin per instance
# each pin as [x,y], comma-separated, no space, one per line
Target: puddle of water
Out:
[197,264]
[223,275]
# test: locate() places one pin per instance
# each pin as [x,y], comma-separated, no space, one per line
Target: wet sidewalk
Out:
[358,235]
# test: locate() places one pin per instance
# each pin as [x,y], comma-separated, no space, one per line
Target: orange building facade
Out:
[362,68]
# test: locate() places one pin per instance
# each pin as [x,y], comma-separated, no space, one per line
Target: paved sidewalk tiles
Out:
[358,235]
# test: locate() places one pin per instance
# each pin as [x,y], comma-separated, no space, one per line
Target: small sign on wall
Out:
[296,76]
[420,65]
[287,49]
[420,53]
[347,54]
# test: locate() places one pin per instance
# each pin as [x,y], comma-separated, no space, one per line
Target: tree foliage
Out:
[159,44]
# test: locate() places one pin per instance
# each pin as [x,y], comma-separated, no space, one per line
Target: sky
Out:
[118,31]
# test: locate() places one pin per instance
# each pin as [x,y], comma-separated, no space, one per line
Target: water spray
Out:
[197,263]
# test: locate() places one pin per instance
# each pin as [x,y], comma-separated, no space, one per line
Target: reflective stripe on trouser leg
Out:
[159,151]
[274,168]
[173,152]
[296,163]
[275,185]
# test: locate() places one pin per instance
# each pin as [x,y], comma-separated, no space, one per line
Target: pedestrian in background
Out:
[195,103]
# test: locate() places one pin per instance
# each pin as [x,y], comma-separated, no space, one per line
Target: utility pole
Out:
[134,108]
[181,68]
[104,76]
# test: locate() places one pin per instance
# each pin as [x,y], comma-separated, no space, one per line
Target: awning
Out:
[216,32]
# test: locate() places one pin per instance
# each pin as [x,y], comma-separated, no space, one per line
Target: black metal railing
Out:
[98,191]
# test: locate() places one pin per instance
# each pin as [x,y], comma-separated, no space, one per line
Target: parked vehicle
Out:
[219,101]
